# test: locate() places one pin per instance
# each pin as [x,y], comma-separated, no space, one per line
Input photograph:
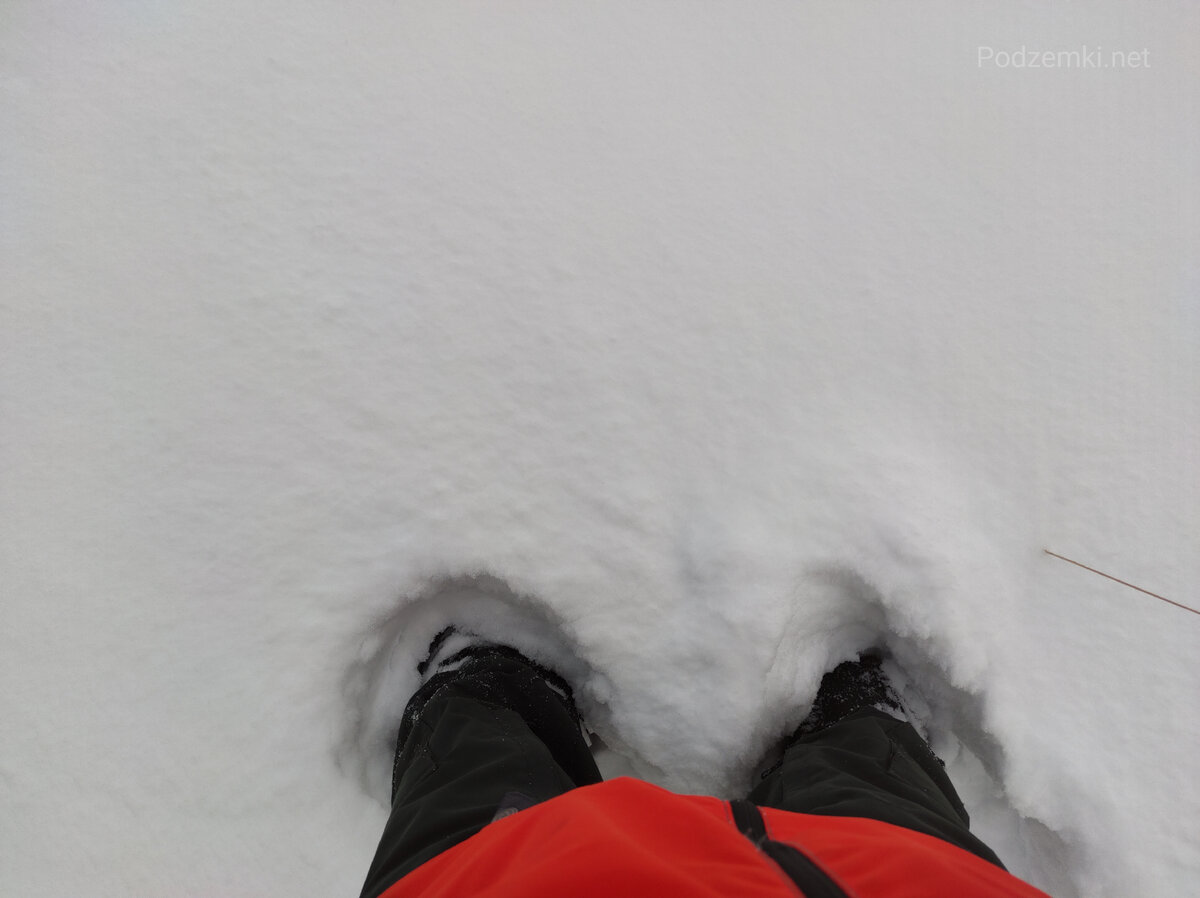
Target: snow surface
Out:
[702,345]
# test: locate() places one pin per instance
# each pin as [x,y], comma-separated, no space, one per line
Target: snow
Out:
[692,347]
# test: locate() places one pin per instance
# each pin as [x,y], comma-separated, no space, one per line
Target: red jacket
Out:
[627,837]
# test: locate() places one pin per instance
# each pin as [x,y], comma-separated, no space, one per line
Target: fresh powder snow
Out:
[692,348]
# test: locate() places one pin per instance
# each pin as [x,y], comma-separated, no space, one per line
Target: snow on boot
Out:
[849,687]
[447,651]
[453,649]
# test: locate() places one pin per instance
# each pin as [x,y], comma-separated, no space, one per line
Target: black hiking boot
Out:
[491,672]
[850,687]
[453,651]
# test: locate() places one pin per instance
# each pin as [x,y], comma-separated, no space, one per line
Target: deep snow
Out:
[719,341]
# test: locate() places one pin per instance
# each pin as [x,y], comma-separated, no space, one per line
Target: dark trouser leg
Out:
[870,765]
[496,736]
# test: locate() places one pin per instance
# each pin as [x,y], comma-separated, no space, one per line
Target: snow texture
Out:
[694,347]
